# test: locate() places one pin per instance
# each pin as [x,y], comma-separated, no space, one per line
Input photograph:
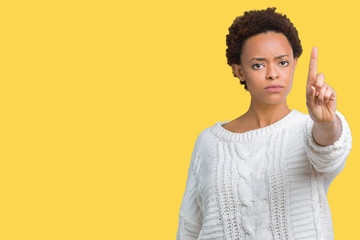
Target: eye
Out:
[257,66]
[284,63]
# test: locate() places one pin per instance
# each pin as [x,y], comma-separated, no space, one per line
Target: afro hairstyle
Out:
[255,22]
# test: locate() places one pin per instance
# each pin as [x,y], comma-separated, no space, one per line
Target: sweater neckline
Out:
[225,134]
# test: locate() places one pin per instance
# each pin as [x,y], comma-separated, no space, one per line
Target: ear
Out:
[237,70]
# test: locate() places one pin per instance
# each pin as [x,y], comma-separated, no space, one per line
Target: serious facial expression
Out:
[267,66]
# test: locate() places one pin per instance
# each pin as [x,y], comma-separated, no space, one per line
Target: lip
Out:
[274,88]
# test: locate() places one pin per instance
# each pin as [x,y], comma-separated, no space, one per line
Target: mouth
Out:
[274,88]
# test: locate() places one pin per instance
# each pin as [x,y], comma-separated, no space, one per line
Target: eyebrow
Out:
[263,59]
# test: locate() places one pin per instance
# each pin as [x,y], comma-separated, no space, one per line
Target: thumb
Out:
[311,97]
[313,92]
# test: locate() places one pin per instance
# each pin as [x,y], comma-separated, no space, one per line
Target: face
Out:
[267,67]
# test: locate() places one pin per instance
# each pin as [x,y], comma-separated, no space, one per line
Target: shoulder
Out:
[206,136]
[206,141]
[299,118]
[299,115]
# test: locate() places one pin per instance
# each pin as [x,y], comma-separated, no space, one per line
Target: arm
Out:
[190,215]
[328,138]
[326,134]
[330,158]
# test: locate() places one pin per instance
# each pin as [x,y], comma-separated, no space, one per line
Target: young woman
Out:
[265,174]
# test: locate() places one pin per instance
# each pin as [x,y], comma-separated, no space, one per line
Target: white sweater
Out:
[268,183]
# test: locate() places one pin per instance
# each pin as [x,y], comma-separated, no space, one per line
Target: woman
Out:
[265,174]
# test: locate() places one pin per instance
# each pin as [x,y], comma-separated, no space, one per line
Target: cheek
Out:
[254,78]
[289,81]
[288,74]
[289,88]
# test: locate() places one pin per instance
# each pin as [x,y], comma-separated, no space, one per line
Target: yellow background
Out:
[101,103]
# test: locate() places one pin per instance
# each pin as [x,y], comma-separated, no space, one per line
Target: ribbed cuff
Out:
[328,158]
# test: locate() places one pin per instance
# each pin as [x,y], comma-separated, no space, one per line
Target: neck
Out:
[265,115]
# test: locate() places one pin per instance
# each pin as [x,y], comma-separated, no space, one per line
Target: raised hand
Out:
[320,97]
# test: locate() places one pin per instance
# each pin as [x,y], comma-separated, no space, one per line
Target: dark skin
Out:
[321,104]
[267,66]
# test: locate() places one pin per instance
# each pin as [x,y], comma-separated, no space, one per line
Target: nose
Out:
[272,73]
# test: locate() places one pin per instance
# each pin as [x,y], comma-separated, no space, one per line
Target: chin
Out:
[270,98]
[275,100]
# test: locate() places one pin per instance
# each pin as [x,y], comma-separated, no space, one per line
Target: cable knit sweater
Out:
[268,183]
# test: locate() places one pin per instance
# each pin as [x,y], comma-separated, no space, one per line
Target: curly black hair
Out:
[255,22]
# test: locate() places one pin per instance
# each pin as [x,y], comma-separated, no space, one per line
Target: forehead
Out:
[266,45]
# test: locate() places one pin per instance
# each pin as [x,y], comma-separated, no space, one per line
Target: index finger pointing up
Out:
[312,68]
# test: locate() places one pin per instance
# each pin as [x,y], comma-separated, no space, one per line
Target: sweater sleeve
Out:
[190,215]
[328,159]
